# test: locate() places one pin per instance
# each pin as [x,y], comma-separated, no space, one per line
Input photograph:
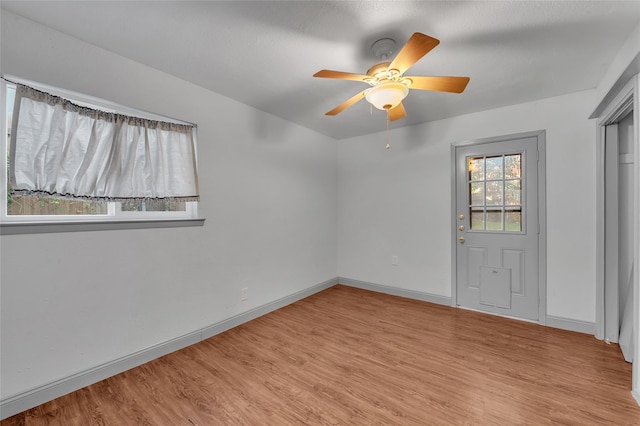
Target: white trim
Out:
[635,374]
[454,233]
[4,144]
[114,214]
[611,231]
[600,240]
[615,109]
[23,401]
[542,227]
[15,228]
[619,106]
[571,324]
[395,291]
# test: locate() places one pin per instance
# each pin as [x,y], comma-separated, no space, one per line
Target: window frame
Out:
[115,218]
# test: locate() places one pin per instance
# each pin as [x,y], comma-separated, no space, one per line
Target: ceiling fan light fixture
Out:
[388,84]
[386,96]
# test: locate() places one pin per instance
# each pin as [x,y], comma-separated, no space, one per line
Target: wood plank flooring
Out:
[352,357]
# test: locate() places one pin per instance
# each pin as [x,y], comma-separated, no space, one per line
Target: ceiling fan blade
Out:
[439,84]
[397,113]
[341,75]
[417,46]
[347,104]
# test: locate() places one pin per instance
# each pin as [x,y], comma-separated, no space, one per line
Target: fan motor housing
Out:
[377,68]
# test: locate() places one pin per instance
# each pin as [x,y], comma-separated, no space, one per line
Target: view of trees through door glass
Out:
[495,193]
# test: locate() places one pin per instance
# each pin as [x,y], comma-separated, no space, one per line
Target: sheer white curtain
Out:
[62,149]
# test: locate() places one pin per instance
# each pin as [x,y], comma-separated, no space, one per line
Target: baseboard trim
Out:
[636,396]
[551,321]
[34,397]
[265,309]
[571,325]
[394,291]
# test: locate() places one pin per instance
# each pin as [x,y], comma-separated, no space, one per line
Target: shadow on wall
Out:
[268,128]
[420,136]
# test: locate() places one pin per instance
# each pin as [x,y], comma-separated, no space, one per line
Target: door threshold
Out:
[500,315]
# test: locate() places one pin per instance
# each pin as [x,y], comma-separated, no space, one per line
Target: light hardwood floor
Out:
[352,357]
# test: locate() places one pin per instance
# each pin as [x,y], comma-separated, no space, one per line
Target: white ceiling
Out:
[264,53]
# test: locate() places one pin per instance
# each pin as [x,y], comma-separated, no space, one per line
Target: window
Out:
[18,207]
[495,193]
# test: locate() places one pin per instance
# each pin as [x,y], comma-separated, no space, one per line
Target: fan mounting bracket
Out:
[383,48]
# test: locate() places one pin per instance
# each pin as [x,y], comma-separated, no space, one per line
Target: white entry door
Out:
[497,227]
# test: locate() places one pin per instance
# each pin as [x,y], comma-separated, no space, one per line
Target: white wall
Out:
[398,201]
[72,301]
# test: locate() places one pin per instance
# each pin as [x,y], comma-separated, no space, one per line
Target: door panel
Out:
[497,227]
[495,287]
[514,260]
[477,257]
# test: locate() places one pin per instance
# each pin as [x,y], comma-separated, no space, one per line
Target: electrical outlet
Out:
[245,293]
[394,260]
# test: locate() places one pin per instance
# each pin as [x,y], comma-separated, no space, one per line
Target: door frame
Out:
[542,215]
[607,321]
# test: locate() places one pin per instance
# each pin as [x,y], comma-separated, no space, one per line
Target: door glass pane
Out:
[494,220]
[512,192]
[494,168]
[476,168]
[512,166]
[513,221]
[494,193]
[477,193]
[477,219]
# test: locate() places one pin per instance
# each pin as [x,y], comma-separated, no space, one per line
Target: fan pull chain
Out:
[388,146]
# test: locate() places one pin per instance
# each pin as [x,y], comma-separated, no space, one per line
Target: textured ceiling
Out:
[264,53]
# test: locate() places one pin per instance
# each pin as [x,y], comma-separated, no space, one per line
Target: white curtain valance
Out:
[65,150]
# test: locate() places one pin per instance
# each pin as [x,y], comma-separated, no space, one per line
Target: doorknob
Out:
[461,239]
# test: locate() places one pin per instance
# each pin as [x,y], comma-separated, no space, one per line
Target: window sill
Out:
[14,228]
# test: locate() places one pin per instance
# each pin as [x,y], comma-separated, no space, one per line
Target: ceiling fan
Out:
[389,85]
